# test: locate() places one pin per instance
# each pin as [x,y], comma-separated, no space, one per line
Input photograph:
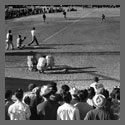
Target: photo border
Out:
[2,54]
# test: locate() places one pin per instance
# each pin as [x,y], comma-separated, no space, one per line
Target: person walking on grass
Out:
[9,40]
[34,39]
[103,18]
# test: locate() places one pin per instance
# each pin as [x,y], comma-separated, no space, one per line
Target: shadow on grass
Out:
[25,53]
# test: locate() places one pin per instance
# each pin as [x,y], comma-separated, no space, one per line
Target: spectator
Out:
[37,99]
[9,40]
[19,110]
[83,106]
[44,109]
[96,85]
[115,96]
[91,94]
[74,93]
[99,113]
[8,102]
[67,111]
[64,89]
[55,98]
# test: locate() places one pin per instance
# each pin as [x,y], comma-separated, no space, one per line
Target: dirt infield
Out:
[88,47]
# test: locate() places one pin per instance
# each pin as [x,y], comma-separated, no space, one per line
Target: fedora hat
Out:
[74,91]
[46,89]
[99,100]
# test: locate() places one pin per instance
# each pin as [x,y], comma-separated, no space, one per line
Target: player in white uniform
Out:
[9,40]
[34,39]
[42,64]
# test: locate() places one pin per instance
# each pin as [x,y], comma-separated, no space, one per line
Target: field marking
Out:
[68,26]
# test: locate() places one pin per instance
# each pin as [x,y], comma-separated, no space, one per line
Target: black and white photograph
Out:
[62,62]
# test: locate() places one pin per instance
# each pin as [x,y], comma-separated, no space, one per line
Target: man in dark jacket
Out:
[44,109]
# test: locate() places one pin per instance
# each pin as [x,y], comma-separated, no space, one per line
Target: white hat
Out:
[45,90]
[74,91]
[99,100]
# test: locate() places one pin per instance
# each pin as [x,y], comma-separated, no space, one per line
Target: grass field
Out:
[88,47]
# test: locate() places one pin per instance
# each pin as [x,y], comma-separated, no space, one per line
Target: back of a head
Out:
[9,31]
[65,88]
[67,97]
[19,94]
[115,93]
[104,92]
[31,86]
[33,28]
[96,79]
[83,95]
[91,92]
[54,87]
[8,94]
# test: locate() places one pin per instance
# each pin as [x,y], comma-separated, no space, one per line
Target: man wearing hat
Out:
[44,108]
[100,112]
[74,93]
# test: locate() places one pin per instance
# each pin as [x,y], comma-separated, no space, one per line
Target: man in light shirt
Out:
[19,110]
[96,85]
[9,40]
[34,39]
[67,111]
[41,65]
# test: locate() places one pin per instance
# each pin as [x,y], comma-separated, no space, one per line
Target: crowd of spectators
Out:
[30,10]
[46,102]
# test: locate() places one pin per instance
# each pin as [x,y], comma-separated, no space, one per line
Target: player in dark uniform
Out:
[103,18]
[44,17]
[64,13]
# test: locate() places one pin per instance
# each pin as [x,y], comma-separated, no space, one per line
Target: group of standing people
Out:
[47,103]
[20,40]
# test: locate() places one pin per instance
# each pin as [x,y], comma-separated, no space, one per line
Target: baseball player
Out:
[103,18]
[44,17]
[9,40]
[64,13]
[41,65]
[31,62]
[50,61]
[34,39]
[20,42]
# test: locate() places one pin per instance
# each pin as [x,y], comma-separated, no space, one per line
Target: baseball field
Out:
[81,42]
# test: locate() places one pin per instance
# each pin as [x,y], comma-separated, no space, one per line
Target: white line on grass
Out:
[67,26]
